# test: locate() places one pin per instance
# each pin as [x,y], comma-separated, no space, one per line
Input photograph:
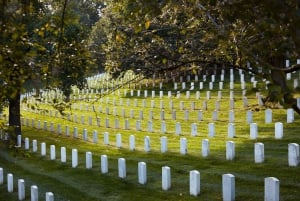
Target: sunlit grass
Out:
[69,183]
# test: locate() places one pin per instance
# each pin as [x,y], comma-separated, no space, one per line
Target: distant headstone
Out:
[230,150]
[205,148]
[119,140]
[278,130]
[43,149]
[142,173]
[147,146]
[211,129]
[52,152]
[88,160]
[178,128]
[63,154]
[131,142]
[34,146]
[163,144]
[259,153]
[104,164]
[106,138]
[183,146]
[122,168]
[194,131]
[74,158]
[293,154]
[231,130]
[268,116]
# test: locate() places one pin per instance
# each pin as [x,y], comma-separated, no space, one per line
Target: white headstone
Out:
[95,136]
[166,178]
[126,124]
[259,152]
[85,135]
[178,128]
[231,116]
[52,152]
[163,127]
[271,189]
[67,130]
[211,129]
[228,187]
[150,126]
[205,148]
[230,150]
[290,115]
[1,175]
[293,154]
[10,183]
[49,196]
[200,115]
[131,142]
[231,130]
[21,189]
[88,160]
[278,130]
[183,146]
[34,193]
[74,158]
[253,131]
[104,164]
[147,146]
[34,146]
[106,138]
[63,154]
[122,168]
[142,173]
[194,183]
[75,132]
[43,149]
[249,117]
[119,140]
[19,140]
[163,144]
[26,143]
[268,116]
[194,131]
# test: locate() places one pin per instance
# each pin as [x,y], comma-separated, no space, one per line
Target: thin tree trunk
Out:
[14,117]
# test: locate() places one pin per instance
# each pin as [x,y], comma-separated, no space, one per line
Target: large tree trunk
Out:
[14,117]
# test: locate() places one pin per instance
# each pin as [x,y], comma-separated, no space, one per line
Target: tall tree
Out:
[158,36]
[40,41]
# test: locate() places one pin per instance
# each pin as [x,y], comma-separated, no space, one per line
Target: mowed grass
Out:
[79,183]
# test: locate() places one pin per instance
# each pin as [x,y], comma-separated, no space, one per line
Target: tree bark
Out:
[15,116]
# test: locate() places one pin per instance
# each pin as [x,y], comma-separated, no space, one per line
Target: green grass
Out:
[69,183]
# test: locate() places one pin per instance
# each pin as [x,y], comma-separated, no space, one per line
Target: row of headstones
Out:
[228,180]
[34,195]
[153,104]
[249,117]
[293,148]
[278,126]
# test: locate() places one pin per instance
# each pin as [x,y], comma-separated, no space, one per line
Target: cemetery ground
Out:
[122,115]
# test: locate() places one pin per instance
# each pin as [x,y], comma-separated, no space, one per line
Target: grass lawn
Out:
[79,183]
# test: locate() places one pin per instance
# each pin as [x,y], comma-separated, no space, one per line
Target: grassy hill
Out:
[79,183]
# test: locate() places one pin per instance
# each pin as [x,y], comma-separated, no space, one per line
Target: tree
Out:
[160,36]
[40,42]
